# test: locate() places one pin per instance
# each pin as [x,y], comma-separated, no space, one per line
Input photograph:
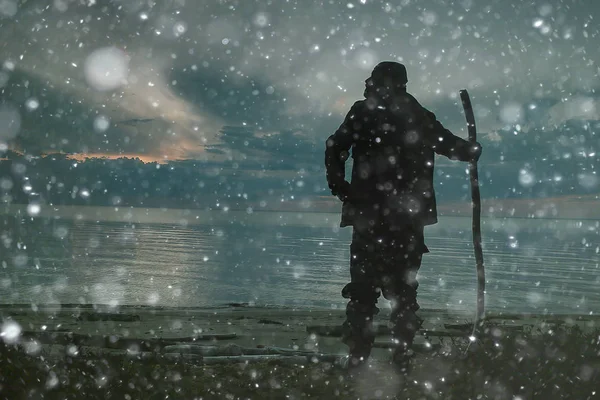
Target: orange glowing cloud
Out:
[180,148]
[145,158]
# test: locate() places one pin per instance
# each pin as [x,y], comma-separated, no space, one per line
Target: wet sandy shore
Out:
[135,329]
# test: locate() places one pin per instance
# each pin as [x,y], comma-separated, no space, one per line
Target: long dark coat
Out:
[392,143]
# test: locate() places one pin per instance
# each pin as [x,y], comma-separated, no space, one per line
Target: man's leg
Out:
[404,321]
[357,329]
[400,288]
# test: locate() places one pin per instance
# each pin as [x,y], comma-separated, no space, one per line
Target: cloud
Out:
[287,149]
[577,107]
[62,74]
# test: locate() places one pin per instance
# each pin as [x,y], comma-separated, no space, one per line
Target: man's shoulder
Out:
[357,109]
[410,100]
[359,105]
[415,107]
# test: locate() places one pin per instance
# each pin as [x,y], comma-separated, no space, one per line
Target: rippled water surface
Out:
[531,265]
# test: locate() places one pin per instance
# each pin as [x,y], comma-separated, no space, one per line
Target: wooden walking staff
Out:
[476,204]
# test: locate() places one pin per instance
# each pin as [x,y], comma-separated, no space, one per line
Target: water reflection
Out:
[531,266]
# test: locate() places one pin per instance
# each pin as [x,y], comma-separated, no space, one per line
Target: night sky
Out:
[181,79]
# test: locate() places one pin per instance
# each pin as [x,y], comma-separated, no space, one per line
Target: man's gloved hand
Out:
[342,191]
[475,151]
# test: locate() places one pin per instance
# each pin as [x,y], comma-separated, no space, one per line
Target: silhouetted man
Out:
[388,203]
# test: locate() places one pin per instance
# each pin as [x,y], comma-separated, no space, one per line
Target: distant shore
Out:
[261,217]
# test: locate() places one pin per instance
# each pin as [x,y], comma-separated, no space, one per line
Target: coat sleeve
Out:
[337,150]
[442,140]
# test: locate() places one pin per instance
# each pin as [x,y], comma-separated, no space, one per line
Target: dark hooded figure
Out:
[389,201]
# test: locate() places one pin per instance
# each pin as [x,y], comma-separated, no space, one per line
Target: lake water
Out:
[531,265]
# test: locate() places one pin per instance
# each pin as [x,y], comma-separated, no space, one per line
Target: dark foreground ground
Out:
[561,365]
[557,361]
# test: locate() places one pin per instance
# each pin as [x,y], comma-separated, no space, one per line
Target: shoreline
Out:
[119,328]
[108,308]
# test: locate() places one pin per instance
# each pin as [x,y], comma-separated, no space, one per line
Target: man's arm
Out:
[337,149]
[445,142]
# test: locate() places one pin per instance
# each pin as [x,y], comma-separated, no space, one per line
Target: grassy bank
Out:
[563,364]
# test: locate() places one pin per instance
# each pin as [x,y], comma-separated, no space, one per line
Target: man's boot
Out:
[405,325]
[358,333]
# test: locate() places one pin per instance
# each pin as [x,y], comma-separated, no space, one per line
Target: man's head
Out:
[386,78]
